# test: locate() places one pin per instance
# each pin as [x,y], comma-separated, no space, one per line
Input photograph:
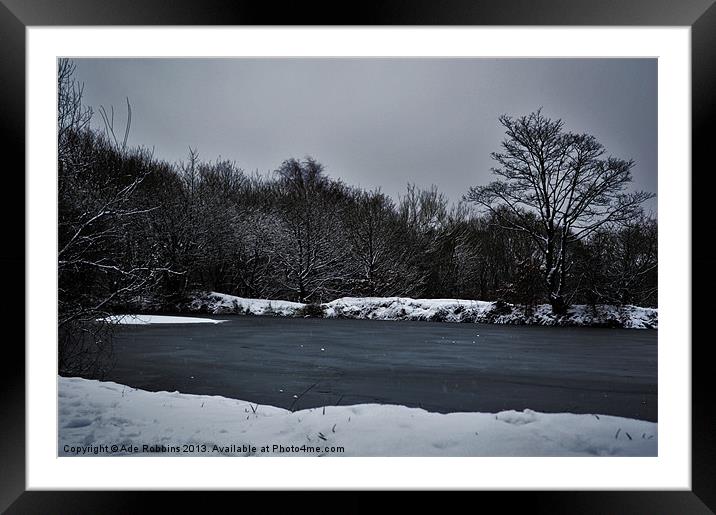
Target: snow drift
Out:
[94,416]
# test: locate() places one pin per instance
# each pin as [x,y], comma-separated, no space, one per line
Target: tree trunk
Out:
[556,273]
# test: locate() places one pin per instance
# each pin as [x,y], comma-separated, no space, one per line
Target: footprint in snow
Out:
[78,422]
[517,418]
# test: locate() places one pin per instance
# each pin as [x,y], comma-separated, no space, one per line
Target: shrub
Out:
[85,348]
[440,315]
[239,309]
[500,308]
[469,317]
[311,310]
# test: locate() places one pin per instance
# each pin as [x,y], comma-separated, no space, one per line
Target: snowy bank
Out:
[94,416]
[158,319]
[440,310]
[220,303]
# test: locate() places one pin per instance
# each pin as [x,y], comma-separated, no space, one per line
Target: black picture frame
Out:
[17,15]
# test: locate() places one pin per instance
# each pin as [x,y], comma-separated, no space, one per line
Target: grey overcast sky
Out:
[376,122]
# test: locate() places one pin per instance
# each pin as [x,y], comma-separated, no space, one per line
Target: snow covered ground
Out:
[94,416]
[159,319]
[442,310]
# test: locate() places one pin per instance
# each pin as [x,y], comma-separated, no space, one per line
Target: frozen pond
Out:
[445,367]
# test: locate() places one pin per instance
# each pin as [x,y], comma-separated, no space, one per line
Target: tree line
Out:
[555,226]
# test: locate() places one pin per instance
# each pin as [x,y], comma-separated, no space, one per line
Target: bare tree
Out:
[374,233]
[424,210]
[221,217]
[423,214]
[559,188]
[102,258]
[310,246]
[619,266]
[73,117]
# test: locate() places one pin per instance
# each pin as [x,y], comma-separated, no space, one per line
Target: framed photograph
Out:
[419,252]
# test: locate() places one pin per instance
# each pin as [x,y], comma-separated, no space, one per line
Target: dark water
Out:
[444,367]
